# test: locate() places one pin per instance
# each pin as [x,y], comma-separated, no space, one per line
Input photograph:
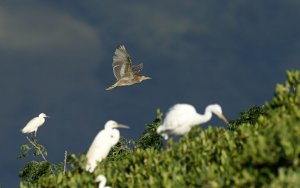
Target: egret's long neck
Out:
[102,183]
[203,118]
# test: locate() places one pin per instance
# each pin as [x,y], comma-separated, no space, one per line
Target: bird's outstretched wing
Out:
[121,63]
[136,69]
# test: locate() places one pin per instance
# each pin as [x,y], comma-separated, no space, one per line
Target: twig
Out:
[65,162]
[37,147]
[40,151]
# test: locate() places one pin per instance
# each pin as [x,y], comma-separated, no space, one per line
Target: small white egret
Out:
[182,117]
[103,142]
[102,181]
[34,124]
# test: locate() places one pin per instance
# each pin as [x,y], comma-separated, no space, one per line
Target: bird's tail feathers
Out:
[163,132]
[24,130]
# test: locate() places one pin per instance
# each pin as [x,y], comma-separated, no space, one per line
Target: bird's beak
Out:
[222,117]
[47,116]
[122,126]
[147,78]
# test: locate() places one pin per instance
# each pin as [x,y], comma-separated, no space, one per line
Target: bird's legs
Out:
[168,143]
[165,136]
[31,135]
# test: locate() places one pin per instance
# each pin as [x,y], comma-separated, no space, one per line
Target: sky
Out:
[55,57]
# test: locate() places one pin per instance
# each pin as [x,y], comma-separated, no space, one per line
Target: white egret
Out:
[182,117]
[34,124]
[103,142]
[102,181]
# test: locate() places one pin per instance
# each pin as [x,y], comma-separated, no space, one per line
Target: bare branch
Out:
[39,150]
[37,147]
[65,162]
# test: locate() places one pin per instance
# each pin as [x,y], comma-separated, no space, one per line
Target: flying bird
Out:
[181,118]
[103,142]
[125,73]
[34,124]
[102,181]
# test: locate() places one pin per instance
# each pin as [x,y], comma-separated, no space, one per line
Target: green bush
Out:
[261,149]
[248,116]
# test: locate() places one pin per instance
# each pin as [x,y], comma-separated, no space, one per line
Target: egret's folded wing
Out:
[100,147]
[121,63]
[137,68]
[31,125]
[176,116]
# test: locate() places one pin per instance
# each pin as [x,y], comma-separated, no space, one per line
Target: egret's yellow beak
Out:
[222,117]
[122,126]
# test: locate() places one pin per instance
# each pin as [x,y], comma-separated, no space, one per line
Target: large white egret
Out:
[34,124]
[102,181]
[103,142]
[181,118]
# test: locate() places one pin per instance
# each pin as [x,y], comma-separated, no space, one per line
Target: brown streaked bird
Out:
[125,73]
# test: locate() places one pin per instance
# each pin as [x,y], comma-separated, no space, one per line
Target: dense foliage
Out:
[261,149]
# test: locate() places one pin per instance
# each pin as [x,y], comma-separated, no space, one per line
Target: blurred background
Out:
[55,57]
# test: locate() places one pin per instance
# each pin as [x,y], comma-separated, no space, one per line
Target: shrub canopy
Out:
[259,149]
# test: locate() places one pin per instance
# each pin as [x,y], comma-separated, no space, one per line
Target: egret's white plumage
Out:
[103,142]
[102,181]
[34,124]
[182,117]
